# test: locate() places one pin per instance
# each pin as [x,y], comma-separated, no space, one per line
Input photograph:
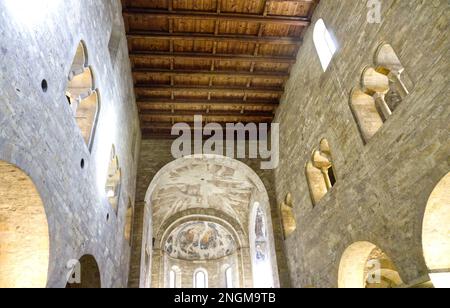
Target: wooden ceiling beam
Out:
[196,15]
[213,37]
[205,56]
[207,73]
[168,125]
[213,89]
[213,113]
[225,117]
[165,134]
[149,101]
[175,105]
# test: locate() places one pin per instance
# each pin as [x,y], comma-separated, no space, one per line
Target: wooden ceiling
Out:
[227,60]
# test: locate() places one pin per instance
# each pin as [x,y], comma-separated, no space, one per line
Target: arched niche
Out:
[383,88]
[86,116]
[389,63]
[364,265]
[24,231]
[377,85]
[113,181]
[85,275]
[320,172]
[366,113]
[79,61]
[82,95]
[81,85]
[129,222]
[287,216]
[436,234]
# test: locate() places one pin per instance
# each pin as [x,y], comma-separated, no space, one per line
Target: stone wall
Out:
[39,134]
[382,186]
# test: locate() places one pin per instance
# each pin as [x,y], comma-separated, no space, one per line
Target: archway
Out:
[86,274]
[24,232]
[364,265]
[436,234]
[208,188]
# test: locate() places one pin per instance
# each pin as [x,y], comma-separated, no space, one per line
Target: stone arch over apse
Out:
[26,222]
[253,188]
[229,224]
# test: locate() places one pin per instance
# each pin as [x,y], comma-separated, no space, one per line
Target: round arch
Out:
[24,231]
[86,274]
[365,265]
[223,160]
[259,191]
[436,234]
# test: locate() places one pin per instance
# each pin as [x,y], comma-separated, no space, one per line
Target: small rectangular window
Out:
[325,46]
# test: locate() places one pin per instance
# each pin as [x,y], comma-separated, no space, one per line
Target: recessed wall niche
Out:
[113,181]
[82,96]
[287,216]
[320,172]
[383,88]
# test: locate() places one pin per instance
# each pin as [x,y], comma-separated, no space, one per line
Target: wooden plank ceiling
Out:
[227,60]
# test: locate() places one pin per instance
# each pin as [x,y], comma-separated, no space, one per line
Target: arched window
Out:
[201,279]
[262,265]
[229,277]
[320,172]
[325,46]
[82,96]
[113,182]
[172,279]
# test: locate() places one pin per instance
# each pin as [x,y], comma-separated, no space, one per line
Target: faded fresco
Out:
[200,241]
[203,184]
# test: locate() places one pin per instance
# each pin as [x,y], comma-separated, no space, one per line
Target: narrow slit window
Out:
[172,279]
[229,278]
[200,280]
